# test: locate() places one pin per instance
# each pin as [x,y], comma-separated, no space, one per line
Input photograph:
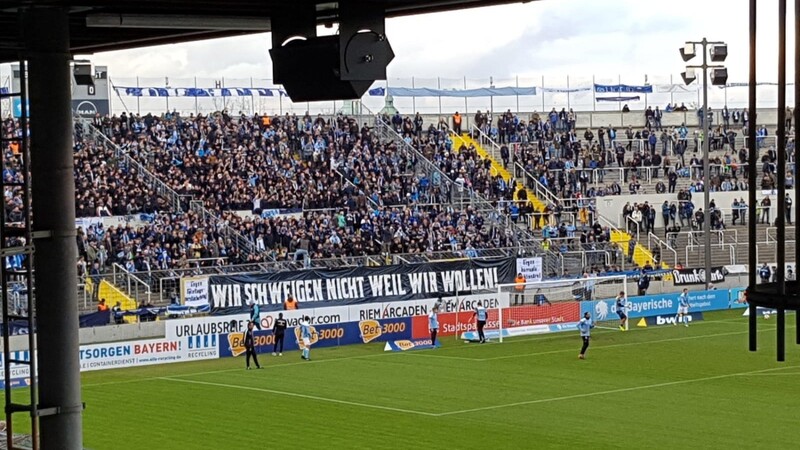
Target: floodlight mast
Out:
[718,51]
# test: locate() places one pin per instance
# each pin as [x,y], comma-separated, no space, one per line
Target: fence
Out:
[569,92]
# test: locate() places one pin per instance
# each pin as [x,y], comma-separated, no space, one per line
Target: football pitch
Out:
[659,387]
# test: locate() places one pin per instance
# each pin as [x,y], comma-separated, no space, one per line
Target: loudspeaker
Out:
[83,74]
[719,76]
[340,67]
[309,71]
[719,53]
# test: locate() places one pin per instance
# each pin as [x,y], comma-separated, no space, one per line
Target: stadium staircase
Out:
[497,167]
[524,238]
[538,194]
[112,294]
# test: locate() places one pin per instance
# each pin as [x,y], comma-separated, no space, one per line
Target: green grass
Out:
[665,387]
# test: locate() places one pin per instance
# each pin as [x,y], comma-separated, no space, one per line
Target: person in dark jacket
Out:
[250,346]
[278,332]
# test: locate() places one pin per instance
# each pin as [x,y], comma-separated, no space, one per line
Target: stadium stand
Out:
[218,191]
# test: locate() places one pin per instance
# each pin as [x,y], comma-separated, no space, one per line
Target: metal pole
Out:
[138,98]
[671,91]
[543,92]
[439,86]
[796,171]
[780,213]
[47,38]
[224,98]
[413,99]
[166,98]
[706,173]
[466,107]
[491,97]
[752,175]
[568,105]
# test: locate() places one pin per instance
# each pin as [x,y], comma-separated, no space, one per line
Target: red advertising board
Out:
[516,316]
[521,316]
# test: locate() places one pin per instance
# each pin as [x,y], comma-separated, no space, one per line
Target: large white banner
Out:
[194,291]
[530,268]
[211,325]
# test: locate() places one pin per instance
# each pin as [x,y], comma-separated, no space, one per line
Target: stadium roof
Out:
[98,25]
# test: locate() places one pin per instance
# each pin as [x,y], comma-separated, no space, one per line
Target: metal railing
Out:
[699,250]
[654,241]
[633,227]
[245,245]
[521,236]
[133,286]
[176,201]
[771,234]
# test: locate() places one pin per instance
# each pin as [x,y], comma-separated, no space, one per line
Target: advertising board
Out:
[224,324]
[660,304]
[327,335]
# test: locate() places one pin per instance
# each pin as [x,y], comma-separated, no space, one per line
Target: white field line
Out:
[376,355]
[305,396]
[774,374]
[627,344]
[238,369]
[614,391]
[485,408]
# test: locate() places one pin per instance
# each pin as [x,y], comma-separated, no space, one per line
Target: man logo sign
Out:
[86,108]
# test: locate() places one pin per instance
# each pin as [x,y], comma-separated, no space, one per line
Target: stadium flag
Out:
[564,90]
[762,83]
[618,99]
[460,93]
[197,92]
[622,88]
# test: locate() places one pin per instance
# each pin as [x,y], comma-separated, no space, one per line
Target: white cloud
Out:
[575,37]
[555,39]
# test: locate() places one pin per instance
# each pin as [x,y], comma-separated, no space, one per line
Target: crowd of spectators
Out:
[349,193]
[346,195]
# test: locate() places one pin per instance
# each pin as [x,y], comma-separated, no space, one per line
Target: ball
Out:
[766,315]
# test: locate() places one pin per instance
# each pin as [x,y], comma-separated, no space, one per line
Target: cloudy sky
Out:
[548,37]
[612,40]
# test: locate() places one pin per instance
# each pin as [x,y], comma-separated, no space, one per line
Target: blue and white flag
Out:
[622,88]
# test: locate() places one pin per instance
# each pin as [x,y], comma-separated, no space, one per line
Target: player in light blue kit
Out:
[585,326]
[305,335]
[480,313]
[683,308]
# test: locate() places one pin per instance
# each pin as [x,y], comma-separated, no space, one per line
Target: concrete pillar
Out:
[47,51]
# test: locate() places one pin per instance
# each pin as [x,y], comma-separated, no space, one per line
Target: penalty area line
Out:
[626,344]
[304,396]
[615,391]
